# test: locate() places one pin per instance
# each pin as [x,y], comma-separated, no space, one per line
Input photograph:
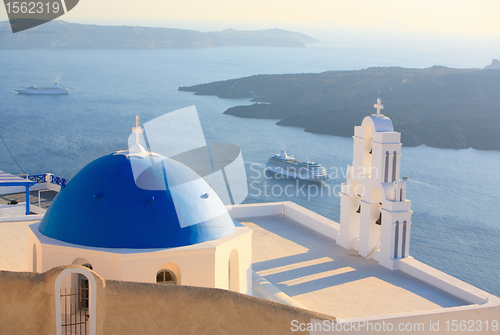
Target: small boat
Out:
[291,167]
[54,89]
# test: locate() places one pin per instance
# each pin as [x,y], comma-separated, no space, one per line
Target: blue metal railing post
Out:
[27,200]
[58,181]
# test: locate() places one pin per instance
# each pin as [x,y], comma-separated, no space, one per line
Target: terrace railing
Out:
[38,178]
[58,180]
[46,178]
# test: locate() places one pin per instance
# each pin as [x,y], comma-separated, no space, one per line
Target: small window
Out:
[165,277]
[386,175]
[394,165]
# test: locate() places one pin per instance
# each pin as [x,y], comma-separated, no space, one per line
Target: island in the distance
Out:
[65,35]
[438,106]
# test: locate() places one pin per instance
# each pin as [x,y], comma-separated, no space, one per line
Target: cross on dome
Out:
[137,129]
[137,149]
[378,106]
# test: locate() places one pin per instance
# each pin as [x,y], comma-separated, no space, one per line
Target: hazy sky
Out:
[448,16]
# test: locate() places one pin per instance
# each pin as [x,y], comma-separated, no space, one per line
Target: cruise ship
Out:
[54,89]
[289,166]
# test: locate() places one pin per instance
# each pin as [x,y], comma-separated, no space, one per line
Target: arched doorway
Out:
[75,315]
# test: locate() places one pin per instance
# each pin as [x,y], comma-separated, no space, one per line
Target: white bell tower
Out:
[374,212]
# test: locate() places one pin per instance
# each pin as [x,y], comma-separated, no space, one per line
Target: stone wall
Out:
[155,309]
[27,306]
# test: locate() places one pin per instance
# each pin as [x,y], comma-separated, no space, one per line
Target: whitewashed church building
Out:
[167,226]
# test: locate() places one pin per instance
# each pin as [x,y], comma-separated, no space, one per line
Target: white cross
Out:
[137,129]
[378,106]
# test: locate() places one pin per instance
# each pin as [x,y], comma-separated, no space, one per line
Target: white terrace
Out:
[294,250]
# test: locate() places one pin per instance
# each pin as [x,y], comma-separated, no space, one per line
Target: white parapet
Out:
[270,292]
[297,213]
[255,210]
[312,220]
[444,282]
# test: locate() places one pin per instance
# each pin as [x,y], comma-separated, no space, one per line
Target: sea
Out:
[455,194]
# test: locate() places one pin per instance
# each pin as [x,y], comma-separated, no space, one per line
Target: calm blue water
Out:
[455,193]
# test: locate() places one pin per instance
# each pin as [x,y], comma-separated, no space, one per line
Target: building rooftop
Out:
[46,198]
[14,245]
[329,279]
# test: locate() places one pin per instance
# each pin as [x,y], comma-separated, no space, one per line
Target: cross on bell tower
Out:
[378,106]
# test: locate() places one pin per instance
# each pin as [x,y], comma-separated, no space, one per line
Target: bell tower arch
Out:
[367,149]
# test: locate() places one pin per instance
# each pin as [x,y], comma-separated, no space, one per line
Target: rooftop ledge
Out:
[301,215]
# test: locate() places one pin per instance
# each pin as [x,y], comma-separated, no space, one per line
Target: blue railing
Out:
[38,178]
[42,178]
[58,180]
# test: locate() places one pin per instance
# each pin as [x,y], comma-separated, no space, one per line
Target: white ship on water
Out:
[54,89]
[289,166]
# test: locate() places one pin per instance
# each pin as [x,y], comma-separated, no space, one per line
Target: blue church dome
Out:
[109,204]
